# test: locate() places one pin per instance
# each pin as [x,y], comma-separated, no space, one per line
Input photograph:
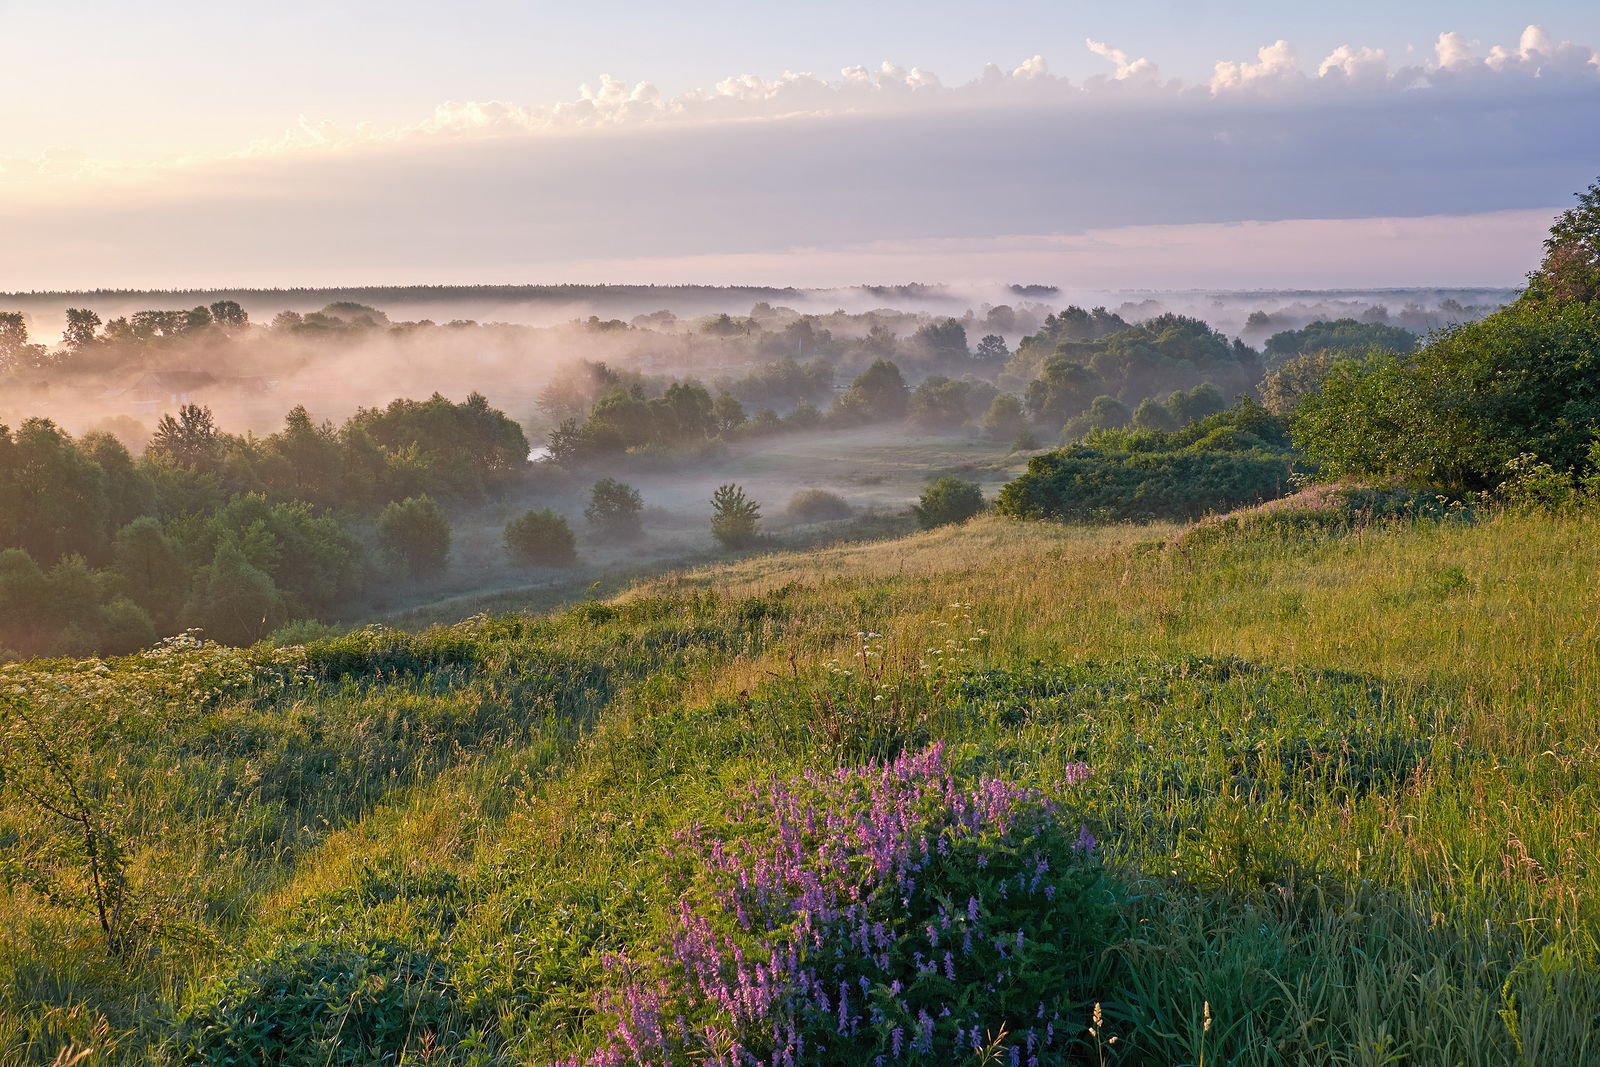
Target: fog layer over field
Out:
[506,341]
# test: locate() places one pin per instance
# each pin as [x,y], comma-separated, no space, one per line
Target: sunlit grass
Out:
[1360,827]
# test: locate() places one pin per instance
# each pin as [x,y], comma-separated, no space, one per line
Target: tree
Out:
[735,518]
[415,535]
[1062,390]
[81,325]
[939,404]
[1150,415]
[943,339]
[878,394]
[148,568]
[541,538]
[728,413]
[613,510]
[948,500]
[992,350]
[235,602]
[228,314]
[191,440]
[1571,267]
[1004,419]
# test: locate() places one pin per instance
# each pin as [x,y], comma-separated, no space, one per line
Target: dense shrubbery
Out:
[948,500]
[414,535]
[1234,458]
[735,518]
[818,505]
[1522,382]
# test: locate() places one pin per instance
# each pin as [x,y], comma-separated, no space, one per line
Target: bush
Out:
[1080,484]
[415,535]
[542,539]
[818,505]
[613,510]
[324,1004]
[735,518]
[948,500]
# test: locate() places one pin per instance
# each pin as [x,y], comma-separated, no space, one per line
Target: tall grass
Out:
[1347,786]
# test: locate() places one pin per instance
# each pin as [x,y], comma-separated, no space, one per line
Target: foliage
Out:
[878,394]
[541,538]
[882,913]
[346,1004]
[735,518]
[613,510]
[1339,335]
[415,534]
[1570,271]
[948,500]
[818,505]
[1230,459]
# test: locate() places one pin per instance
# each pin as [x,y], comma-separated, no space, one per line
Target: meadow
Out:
[1283,795]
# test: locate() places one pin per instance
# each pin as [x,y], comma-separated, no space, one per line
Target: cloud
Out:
[755,166]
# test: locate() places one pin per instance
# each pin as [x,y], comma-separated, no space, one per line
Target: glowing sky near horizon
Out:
[1163,144]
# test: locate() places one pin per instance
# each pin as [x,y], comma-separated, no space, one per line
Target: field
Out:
[878,472]
[1342,788]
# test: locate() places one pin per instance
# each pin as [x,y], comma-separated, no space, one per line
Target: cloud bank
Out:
[889,158]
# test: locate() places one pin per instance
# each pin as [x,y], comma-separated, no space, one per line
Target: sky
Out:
[1143,144]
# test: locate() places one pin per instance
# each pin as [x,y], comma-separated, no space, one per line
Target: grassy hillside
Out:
[1342,789]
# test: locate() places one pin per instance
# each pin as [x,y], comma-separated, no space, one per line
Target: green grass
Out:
[1346,788]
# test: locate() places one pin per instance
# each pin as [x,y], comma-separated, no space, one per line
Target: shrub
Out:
[613,510]
[948,500]
[880,912]
[735,518]
[1080,484]
[415,535]
[319,1003]
[541,538]
[818,505]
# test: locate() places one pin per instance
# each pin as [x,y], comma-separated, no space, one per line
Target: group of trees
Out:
[103,551]
[1519,387]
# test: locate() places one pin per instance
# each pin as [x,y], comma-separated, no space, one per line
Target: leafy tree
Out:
[52,497]
[735,518]
[415,535]
[24,602]
[1571,267]
[992,350]
[1203,401]
[727,413]
[1004,419]
[235,602]
[1150,415]
[878,394]
[614,510]
[939,404]
[943,339]
[147,567]
[1300,376]
[541,538]
[948,500]
[1105,413]
[81,325]
[228,314]
[191,440]
[1063,390]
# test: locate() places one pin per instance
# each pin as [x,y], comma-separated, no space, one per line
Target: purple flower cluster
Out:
[878,914]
